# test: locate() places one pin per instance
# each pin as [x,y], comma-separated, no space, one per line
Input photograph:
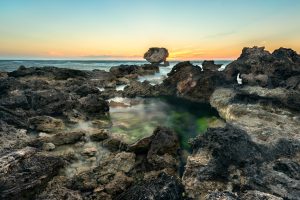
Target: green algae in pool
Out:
[134,119]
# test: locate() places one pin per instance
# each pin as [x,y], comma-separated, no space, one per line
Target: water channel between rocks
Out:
[134,119]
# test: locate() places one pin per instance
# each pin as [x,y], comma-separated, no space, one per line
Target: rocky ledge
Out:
[55,141]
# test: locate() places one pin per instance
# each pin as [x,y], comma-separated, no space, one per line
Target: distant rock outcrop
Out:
[157,55]
[260,67]
[210,65]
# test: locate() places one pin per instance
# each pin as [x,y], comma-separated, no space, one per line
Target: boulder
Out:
[93,104]
[156,55]
[160,149]
[189,81]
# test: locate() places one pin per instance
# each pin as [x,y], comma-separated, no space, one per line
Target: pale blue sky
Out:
[126,28]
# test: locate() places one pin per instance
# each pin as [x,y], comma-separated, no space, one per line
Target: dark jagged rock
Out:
[228,157]
[260,67]
[163,141]
[139,89]
[210,65]
[15,117]
[50,102]
[160,149]
[25,172]
[93,104]
[165,187]
[7,84]
[189,81]
[56,73]
[127,70]
[156,55]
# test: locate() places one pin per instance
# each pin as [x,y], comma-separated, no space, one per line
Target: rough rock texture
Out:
[59,138]
[189,81]
[12,138]
[210,65]
[165,187]
[138,89]
[256,110]
[156,55]
[259,67]
[221,196]
[228,159]
[93,104]
[160,150]
[56,189]
[128,70]
[100,135]
[53,72]
[46,124]
[24,172]
[110,176]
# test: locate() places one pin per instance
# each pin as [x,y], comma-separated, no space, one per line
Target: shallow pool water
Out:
[134,119]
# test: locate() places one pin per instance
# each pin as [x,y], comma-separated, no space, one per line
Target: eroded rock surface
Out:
[24,172]
[156,55]
[228,159]
[260,67]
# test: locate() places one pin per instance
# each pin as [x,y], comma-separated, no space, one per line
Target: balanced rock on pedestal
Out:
[157,55]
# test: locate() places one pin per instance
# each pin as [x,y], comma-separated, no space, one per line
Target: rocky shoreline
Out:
[255,155]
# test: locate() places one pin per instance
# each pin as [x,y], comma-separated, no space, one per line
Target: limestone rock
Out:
[156,55]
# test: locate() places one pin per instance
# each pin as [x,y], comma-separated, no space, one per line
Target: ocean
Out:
[11,65]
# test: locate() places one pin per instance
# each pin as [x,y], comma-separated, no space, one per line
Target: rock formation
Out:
[157,55]
[259,67]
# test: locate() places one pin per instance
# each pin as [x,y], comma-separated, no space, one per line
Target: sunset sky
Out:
[125,29]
